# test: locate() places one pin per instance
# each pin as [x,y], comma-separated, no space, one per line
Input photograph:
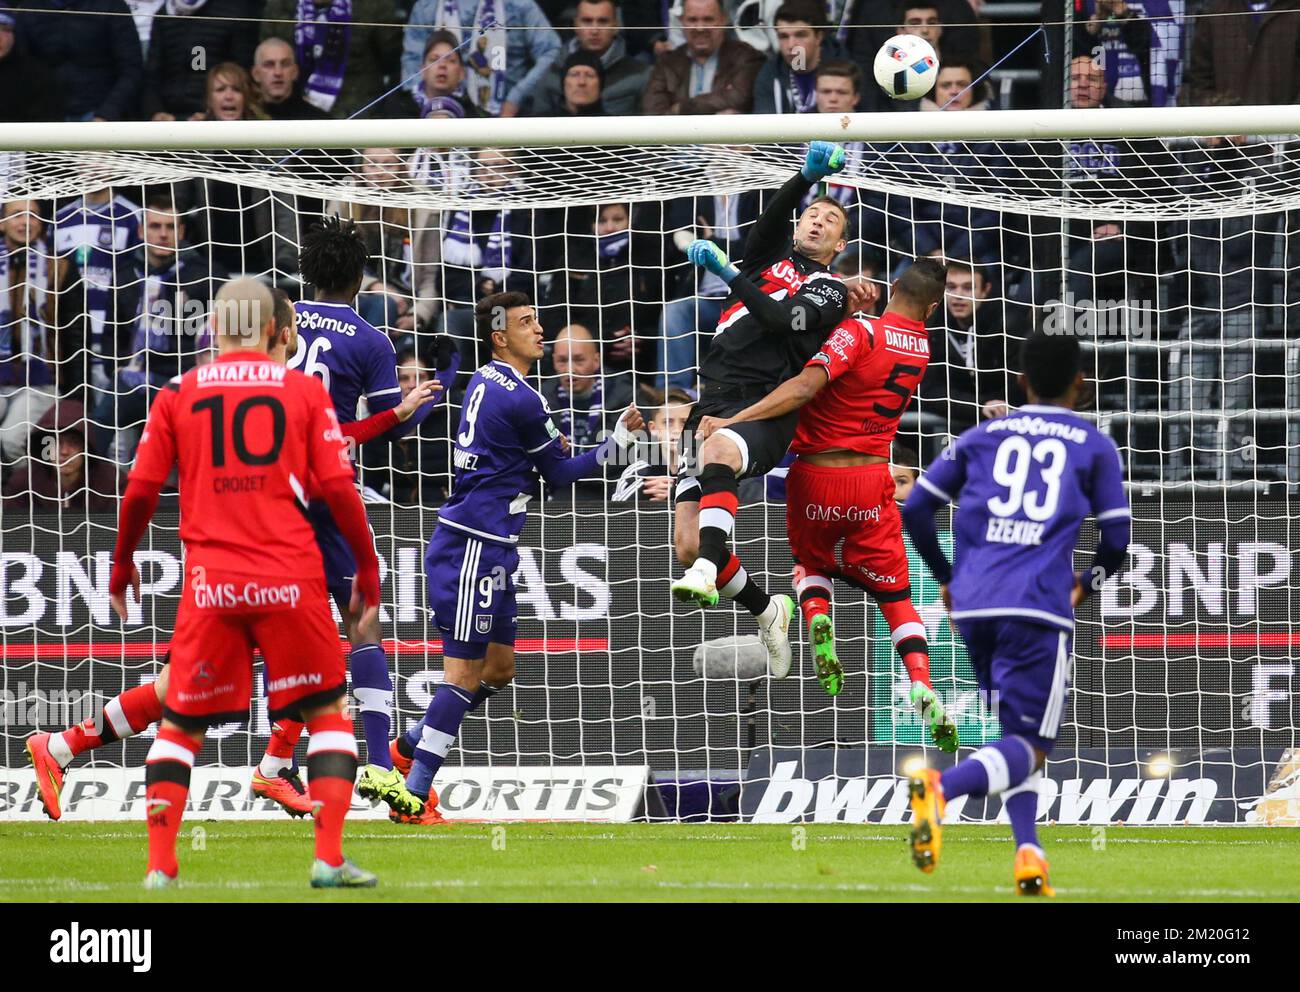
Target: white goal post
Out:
[1168,239]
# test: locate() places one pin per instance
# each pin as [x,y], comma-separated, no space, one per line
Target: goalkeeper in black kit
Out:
[783,303]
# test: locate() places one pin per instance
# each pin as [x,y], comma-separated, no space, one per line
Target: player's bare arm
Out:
[792,394]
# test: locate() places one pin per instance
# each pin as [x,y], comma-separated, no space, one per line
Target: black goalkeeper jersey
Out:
[756,345]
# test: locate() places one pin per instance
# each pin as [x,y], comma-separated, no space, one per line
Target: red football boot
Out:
[427,817]
[400,761]
[286,789]
[49,776]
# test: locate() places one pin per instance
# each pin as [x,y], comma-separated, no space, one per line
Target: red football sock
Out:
[814,592]
[125,715]
[331,771]
[284,738]
[908,634]
[167,783]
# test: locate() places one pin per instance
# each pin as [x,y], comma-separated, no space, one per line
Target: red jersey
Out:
[252,439]
[875,365]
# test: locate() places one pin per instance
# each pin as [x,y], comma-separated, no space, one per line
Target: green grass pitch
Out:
[532,862]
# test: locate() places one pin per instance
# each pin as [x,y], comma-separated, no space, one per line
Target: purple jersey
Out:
[1023,484]
[354,359]
[504,433]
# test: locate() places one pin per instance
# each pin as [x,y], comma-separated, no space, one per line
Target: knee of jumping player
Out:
[719,449]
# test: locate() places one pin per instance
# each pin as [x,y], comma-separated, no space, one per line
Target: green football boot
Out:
[387,784]
[830,673]
[942,729]
[345,876]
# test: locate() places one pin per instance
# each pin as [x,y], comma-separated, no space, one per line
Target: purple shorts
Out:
[1027,667]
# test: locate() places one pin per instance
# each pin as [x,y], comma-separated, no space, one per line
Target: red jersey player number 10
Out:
[251,441]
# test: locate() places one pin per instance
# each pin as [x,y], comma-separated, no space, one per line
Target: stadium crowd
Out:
[103,298]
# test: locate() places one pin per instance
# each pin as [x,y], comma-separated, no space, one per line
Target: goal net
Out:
[1167,240]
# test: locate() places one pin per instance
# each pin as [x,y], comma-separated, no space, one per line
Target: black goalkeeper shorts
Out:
[762,443]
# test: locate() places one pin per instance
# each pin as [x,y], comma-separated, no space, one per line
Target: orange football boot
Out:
[400,761]
[49,774]
[926,796]
[427,817]
[286,789]
[1031,872]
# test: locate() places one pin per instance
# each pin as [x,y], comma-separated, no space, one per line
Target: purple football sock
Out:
[441,725]
[990,770]
[1022,810]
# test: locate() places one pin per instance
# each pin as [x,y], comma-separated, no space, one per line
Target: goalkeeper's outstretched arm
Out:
[769,238]
[813,311]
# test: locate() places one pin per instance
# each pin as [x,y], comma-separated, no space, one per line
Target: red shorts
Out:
[222,618]
[855,505]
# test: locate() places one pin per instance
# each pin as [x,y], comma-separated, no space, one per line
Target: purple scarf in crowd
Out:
[322,36]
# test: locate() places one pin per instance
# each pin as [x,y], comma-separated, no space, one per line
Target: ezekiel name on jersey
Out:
[744,352]
[874,365]
[1024,484]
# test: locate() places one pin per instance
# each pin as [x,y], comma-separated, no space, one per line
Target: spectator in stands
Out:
[94,230]
[1109,259]
[709,73]
[441,89]
[404,250]
[584,400]
[143,12]
[1251,57]
[969,377]
[611,281]
[1224,275]
[582,82]
[905,467]
[1141,63]
[856,268]
[924,226]
[694,296]
[29,91]
[344,52]
[275,73]
[838,86]
[94,53]
[597,31]
[412,471]
[652,472]
[160,308]
[955,88]
[500,87]
[40,324]
[59,475]
[787,82]
[484,250]
[245,229]
[229,96]
[176,79]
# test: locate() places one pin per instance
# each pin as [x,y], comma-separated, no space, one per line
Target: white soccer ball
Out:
[906,67]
